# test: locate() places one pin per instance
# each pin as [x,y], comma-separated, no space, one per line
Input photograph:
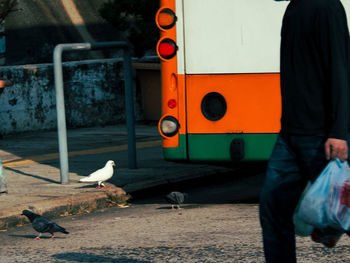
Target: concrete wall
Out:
[94,95]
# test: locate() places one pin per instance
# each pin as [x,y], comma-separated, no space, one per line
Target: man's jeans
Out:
[3,185]
[294,161]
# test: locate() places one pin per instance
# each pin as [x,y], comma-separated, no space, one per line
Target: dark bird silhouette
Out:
[43,225]
[176,198]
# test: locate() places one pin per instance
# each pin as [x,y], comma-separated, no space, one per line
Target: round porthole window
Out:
[213,106]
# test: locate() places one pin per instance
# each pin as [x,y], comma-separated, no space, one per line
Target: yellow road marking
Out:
[53,156]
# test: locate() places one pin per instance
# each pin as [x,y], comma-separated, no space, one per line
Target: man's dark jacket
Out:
[315,62]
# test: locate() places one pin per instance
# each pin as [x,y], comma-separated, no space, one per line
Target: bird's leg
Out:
[38,237]
[52,236]
[99,185]
[178,207]
[103,185]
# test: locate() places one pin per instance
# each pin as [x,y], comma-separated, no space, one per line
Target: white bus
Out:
[220,78]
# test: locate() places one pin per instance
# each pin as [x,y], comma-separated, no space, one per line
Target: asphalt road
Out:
[214,226]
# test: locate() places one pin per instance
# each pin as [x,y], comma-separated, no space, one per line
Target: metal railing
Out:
[61,115]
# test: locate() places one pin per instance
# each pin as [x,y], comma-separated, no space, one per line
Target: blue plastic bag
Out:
[315,207]
[338,202]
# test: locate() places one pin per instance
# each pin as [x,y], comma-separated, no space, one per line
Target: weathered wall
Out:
[94,95]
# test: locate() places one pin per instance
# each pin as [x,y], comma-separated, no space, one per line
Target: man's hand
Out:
[336,148]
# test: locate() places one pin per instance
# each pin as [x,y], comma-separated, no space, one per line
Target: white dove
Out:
[100,175]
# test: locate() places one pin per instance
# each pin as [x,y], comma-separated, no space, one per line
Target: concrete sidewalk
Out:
[32,170]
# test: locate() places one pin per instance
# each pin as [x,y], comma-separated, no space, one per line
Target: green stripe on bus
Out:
[216,147]
[178,153]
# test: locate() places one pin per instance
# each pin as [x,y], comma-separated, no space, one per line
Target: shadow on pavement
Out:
[239,187]
[32,175]
[85,257]
[33,236]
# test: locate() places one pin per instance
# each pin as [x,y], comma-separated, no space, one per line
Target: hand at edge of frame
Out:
[336,148]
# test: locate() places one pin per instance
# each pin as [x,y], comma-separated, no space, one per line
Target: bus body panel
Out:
[230,47]
[232,36]
[177,153]
[180,37]
[217,147]
[253,103]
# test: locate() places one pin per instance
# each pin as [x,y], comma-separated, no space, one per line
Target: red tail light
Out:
[172,103]
[167,48]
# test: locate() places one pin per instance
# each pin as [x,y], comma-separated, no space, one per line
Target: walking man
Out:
[315,123]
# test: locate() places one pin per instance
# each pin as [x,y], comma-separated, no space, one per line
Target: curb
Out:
[89,202]
[74,204]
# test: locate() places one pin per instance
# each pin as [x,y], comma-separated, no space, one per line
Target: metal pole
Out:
[129,104]
[129,98]
[61,115]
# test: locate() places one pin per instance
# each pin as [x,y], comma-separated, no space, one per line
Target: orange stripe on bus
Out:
[253,103]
